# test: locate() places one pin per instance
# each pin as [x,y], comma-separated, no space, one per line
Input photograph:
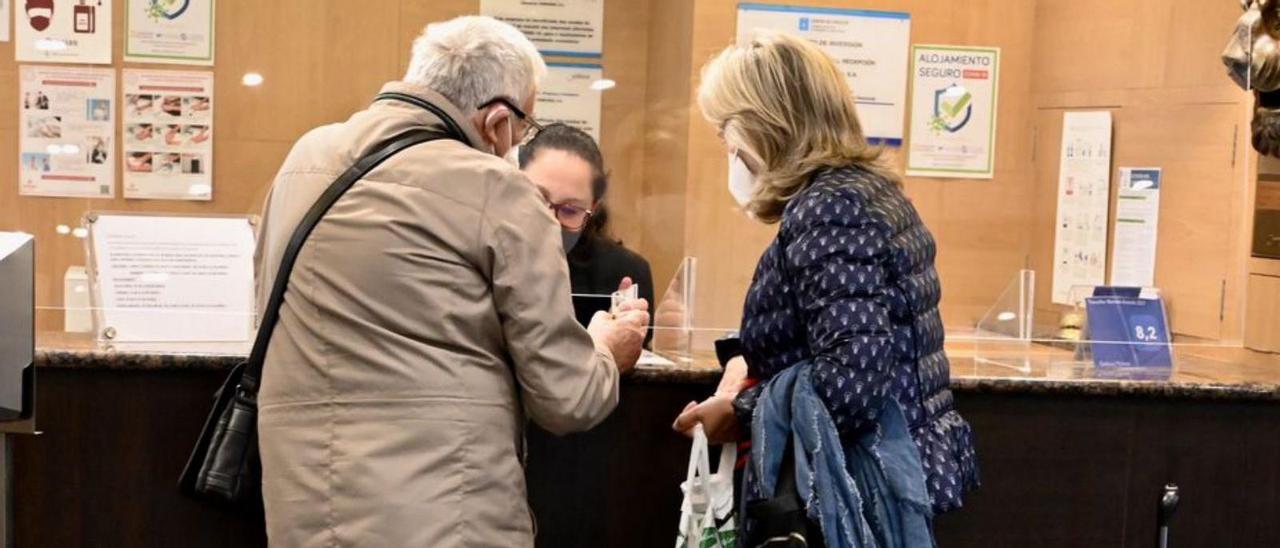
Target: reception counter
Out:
[1068,458]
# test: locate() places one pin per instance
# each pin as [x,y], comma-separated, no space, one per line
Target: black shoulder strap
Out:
[271,314]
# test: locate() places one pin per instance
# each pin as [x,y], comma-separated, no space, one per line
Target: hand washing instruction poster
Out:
[169,31]
[569,95]
[168,134]
[871,47]
[1084,197]
[62,31]
[567,28]
[953,111]
[1133,258]
[65,132]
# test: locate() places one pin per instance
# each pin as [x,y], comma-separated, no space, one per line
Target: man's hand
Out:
[622,332]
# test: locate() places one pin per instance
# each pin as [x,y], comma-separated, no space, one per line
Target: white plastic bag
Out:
[708,498]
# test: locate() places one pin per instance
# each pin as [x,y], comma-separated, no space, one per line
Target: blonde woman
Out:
[848,286]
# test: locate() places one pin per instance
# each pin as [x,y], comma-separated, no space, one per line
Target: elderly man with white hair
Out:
[427,315]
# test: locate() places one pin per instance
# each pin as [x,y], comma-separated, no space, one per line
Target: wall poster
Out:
[6,14]
[568,96]
[954,96]
[168,134]
[871,48]
[63,31]
[566,28]
[1133,258]
[66,127]
[1084,199]
[169,31]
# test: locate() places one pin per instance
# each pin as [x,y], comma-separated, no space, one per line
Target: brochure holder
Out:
[170,282]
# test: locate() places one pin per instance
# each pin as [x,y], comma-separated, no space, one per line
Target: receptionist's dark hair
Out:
[580,144]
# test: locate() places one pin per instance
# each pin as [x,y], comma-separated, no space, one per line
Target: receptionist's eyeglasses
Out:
[531,126]
[571,216]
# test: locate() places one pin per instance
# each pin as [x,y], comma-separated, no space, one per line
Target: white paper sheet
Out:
[167,127]
[62,31]
[66,132]
[174,279]
[566,28]
[1133,259]
[169,31]
[7,18]
[567,96]
[953,111]
[1084,198]
[869,46]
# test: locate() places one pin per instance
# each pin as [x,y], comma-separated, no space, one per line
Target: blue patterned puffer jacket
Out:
[849,284]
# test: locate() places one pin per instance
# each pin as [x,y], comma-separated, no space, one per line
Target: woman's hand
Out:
[716,416]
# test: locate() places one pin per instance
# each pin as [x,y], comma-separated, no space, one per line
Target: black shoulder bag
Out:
[224,467]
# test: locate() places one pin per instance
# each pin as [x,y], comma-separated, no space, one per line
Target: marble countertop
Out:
[1200,372]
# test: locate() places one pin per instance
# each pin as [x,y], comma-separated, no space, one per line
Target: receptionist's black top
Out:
[596,267]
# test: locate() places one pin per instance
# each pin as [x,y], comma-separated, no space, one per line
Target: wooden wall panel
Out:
[981,226]
[321,60]
[1263,324]
[1156,66]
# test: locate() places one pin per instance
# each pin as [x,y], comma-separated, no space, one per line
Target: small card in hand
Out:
[621,296]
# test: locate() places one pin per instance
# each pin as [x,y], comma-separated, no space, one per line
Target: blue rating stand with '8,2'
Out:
[1128,329]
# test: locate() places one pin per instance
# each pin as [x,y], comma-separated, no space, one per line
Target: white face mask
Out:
[742,183]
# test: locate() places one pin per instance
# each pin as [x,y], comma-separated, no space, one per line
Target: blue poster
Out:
[1128,329]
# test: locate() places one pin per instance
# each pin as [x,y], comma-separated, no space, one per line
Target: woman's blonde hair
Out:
[788,103]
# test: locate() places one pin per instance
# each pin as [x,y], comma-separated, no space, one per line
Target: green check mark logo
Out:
[953,108]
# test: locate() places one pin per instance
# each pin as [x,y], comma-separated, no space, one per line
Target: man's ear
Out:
[493,127]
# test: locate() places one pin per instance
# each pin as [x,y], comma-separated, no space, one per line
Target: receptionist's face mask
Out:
[569,238]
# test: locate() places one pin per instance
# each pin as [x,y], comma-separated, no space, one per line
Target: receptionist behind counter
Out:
[567,164]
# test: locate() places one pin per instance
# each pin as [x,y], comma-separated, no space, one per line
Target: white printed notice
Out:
[62,31]
[169,31]
[4,16]
[1084,197]
[570,95]
[173,279]
[66,127]
[168,134]
[871,48]
[565,28]
[953,111]
[1133,256]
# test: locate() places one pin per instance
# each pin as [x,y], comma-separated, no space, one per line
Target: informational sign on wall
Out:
[953,111]
[169,31]
[168,134]
[570,95]
[5,17]
[65,130]
[871,47]
[62,31]
[566,28]
[1084,197]
[172,279]
[1133,258]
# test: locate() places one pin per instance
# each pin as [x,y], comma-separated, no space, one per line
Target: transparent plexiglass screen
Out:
[1076,131]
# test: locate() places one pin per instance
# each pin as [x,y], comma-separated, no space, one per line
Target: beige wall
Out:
[1152,63]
